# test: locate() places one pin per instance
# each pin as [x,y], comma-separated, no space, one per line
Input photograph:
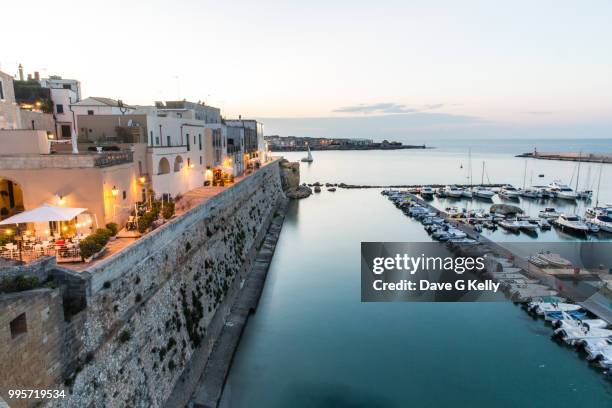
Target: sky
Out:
[337,68]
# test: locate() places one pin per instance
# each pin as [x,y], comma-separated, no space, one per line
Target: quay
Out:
[549,285]
[570,156]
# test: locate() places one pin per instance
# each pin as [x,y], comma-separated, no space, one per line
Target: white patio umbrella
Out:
[45,212]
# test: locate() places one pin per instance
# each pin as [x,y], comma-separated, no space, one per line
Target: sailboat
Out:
[584,194]
[308,159]
[466,191]
[528,192]
[481,191]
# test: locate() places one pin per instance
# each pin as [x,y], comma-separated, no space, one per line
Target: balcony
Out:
[65,160]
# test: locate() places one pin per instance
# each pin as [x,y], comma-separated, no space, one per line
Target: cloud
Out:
[386,108]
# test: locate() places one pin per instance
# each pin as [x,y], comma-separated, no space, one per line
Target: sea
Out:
[313,343]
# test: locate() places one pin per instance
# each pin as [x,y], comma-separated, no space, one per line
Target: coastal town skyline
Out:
[321,70]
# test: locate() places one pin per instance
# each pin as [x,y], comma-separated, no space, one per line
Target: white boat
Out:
[530,193]
[554,260]
[483,192]
[605,210]
[308,158]
[561,190]
[571,223]
[542,308]
[584,194]
[526,225]
[593,346]
[549,213]
[543,191]
[508,191]
[594,228]
[604,222]
[427,191]
[603,357]
[453,191]
[544,224]
[467,193]
[574,333]
[537,261]
[510,225]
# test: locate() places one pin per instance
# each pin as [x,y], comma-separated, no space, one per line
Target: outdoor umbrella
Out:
[45,212]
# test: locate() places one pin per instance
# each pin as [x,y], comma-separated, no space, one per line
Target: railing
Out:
[113,158]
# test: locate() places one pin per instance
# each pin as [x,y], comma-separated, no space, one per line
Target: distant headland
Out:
[294,143]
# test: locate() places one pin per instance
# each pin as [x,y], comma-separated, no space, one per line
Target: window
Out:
[66,133]
[66,86]
[90,112]
[199,140]
[157,141]
[59,108]
[151,138]
[168,140]
[1,91]
[124,194]
[188,144]
[193,139]
[19,325]
[200,160]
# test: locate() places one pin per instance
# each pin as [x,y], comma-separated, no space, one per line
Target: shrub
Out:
[103,235]
[125,336]
[113,228]
[89,246]
[168,211]
[17,284]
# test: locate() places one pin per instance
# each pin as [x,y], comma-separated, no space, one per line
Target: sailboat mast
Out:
[578,172]
[598,184]
[482,176]
[525,174]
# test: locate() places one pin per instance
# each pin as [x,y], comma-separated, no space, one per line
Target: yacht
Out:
[427,191]
[483,192]
[549,213]
[604,222]
[308,158]
[453,191]
[595,211]
[543,191]
[467,193]
[508,191]
[561,190]
[513,226]
[571,223]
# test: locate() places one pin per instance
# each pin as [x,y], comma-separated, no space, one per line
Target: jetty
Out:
[570,156]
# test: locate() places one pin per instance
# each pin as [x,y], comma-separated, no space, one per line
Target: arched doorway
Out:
[164,166]
[178,163]
[11,198]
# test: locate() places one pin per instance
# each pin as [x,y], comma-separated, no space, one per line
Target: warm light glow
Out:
[47,232]
[50,136]
[115,191]
[78,225]
[64,228]
[89,222]
[8,232]
[60,199]
[192,166]
[28,233]
[142,179]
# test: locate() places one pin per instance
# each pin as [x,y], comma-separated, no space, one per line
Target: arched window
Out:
[11,198]
[164,166]
[178,163]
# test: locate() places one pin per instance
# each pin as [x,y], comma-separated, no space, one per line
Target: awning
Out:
[44,213]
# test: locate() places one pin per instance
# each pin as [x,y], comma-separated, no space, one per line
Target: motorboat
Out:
[511,225]
[556,317]
[537,261]
[308,158]
[593,228]
[509,192]
[577,332]
[453,191]
[483,192]
[554,260]
[467,193]
[604,222]
[525,225]
[571,223]
[603,357]
[549,213]
[561,190]
[530,193]
[542,308]
[592,347]
[543,191]
[544,224]
[595,211]
[427,191]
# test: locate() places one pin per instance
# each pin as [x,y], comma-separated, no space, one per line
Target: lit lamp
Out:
[8,232]
[60,199]
[115,191]
[192,166]
[142,179]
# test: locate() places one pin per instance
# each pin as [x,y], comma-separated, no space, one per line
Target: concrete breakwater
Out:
[147,312]
[571,156]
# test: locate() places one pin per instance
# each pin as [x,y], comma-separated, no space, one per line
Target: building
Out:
[95,105]
[235,149]
[254,145]
[106,184]
[64,93]
[9,110]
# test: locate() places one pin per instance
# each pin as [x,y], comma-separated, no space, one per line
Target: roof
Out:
[100,100]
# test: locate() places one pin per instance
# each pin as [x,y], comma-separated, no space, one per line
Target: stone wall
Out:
[31,351]
[150,307]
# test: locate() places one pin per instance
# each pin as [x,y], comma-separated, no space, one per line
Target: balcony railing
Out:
[113,158]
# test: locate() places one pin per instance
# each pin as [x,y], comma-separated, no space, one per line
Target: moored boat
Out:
[571,223]
[561,190]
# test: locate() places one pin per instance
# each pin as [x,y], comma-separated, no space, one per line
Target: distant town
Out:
[294,143]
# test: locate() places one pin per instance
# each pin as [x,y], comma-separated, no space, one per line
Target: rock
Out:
[317,189]
[505,209]
[290,175]
[300,192]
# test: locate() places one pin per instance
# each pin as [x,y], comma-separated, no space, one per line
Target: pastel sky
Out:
[448,67]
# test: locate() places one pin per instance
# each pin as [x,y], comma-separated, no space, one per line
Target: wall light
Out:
[8,231]
[115,191]
[60,199]
[142,179]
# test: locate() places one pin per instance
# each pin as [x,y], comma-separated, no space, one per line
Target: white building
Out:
[64,93]
[95,105]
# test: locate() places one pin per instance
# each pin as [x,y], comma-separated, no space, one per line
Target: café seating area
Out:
[29,248]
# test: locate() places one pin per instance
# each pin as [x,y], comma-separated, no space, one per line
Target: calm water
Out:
[313,343]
